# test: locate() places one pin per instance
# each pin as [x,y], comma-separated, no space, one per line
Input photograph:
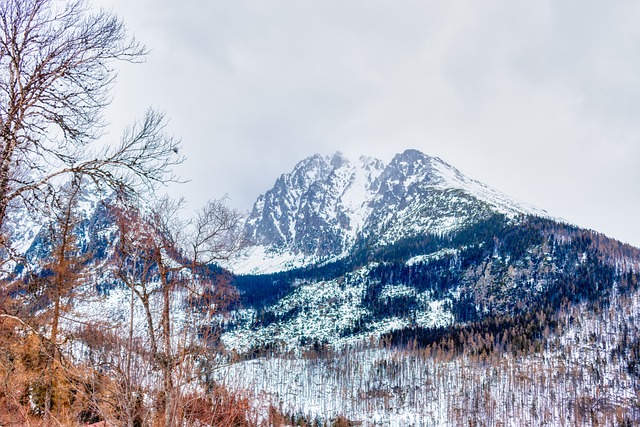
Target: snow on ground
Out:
[262,260]
[318,311]
[24,227]
[576,380]
[423,259]
[356,197]
[452,178]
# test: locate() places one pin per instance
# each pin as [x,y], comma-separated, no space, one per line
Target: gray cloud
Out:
[538,99]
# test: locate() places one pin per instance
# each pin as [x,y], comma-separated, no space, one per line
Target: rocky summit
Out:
[327,204]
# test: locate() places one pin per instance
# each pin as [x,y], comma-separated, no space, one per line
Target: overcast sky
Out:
[538,99]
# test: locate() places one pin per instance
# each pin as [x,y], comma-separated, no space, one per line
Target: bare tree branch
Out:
[56,78]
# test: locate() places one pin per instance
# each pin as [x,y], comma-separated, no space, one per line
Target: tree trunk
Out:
[5,166]
[52,353]
[167,365]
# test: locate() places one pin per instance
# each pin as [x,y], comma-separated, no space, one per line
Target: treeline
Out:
[518,334]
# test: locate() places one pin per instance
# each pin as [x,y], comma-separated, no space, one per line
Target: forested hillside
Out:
[503,320]
[494,271]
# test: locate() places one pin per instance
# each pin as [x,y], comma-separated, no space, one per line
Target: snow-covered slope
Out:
[333,312]
[318,211]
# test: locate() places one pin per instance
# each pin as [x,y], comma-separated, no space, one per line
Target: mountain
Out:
[394,294]
[320,210]
[94,229]
[409,294]
[343,250]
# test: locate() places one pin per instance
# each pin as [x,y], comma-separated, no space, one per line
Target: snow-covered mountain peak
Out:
[325,204]
[412,162]
[317,207]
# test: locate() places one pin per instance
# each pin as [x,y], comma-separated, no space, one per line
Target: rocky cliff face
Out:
[317,208]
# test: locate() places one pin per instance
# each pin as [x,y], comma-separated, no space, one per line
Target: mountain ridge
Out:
[319,211]
[410,244]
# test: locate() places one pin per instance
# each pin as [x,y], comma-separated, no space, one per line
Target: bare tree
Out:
[57,71]
[164,262]
[45,296]
[56,75]
[59,280]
